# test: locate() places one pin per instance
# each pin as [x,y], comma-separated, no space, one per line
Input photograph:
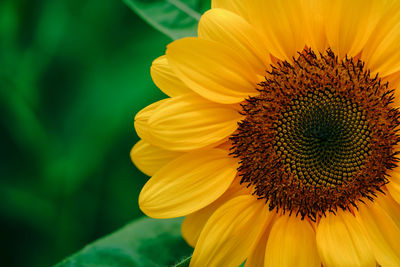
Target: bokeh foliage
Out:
[72,76]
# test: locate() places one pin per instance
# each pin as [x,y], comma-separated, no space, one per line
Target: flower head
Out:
[279,141]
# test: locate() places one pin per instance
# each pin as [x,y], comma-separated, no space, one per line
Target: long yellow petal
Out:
[280,21]
[314,25]
[190,122]
[391,207]
[149,159]
[257,256]
[230,233]
[239,7]
[165,78]
[349,24]
[291,242]
[383,232]
[230,29]
[394,185]
[213,70]
[194,223]
[188,184]
[142,119]
[394,189]
[341,241]
[381,52]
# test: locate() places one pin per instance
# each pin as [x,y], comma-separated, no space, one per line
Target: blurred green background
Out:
[72,76]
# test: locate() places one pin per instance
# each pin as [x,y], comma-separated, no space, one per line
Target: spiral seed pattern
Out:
[323,138]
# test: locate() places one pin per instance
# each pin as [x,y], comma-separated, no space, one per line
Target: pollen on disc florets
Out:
[319,136]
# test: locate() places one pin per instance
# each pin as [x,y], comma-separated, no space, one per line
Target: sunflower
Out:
[279,139]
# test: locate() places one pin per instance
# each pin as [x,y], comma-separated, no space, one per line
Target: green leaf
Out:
[145,242]
[184,262]
[174,18]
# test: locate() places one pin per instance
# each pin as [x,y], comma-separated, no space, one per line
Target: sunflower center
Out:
[322,138]
[319,136]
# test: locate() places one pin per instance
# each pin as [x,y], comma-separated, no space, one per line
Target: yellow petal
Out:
[314,25]
[394,185]
[213,70]
[381,52]
[188,184]
[194,223]
[341,241]
[349,24]
[383,232]
[257,256]
[165,79]
[230,233]
[291,242]
[239,7]
[190,122]
[142,119]
[391,206]
[278,20]
[149,159]
[230,29]
[394,189]
[284,26]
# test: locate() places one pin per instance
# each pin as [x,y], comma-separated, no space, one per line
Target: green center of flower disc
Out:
[319,136]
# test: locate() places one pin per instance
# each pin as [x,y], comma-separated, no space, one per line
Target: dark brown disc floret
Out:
[319,136]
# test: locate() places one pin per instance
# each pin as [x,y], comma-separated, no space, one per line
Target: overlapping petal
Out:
[391,207]
[280,21]
[291,242]
[394,184]
[191,122]
[239,7]
[383,231]
[165,78]
[194,223]
[230,233]
[257,255]
[394,187]
[188,184]
[314,27]
[381,53]
[149,159]
[232,30]
[342,241]
[142,119]
[349,24]
[213,70]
